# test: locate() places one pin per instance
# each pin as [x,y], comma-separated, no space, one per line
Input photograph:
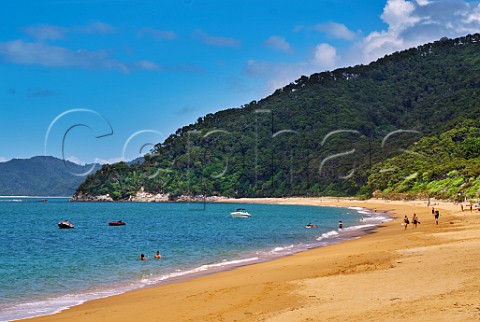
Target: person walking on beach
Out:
[437,214]
[406,222]
[415,220]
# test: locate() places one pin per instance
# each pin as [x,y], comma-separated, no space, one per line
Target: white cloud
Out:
[413,23]
[398,14]
[40,92]
[278,75]
[275,75]
[410,23]
[49,32]
[218,41]
[325,56]
[46,32]
[157,34]
[278,43]
[147,65]
[331,29]
[423,2]
[96,27]
[25,53]
[336,30]
[474,16]
[76,160]
[110,161]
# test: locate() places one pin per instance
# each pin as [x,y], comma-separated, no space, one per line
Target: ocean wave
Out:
[281,249]
[374,219]
[358,227]
[330,234]
[11,200]
[57,304]
[53,305]
[356,208]
[364,212]
[151,280]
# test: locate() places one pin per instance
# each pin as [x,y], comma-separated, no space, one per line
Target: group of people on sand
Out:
[156,256]
[470,206]
[406,221]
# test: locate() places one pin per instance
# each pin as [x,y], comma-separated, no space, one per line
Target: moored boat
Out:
[65,224]
[116,223]
[240,213]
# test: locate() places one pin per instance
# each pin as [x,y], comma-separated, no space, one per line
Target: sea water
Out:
[44,269]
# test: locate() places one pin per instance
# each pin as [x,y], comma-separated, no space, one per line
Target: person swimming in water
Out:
[157,255]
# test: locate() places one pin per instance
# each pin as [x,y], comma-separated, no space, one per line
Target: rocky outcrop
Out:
[142,196]
[199,198]
[86,197]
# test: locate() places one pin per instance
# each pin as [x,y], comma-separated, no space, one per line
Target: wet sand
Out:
[430,273]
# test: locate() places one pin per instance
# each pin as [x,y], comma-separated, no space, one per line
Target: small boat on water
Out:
[116,223]
[65,224]
[240,213]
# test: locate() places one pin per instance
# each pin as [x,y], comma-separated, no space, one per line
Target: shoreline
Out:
[324,237]
[282,273]
[35,197]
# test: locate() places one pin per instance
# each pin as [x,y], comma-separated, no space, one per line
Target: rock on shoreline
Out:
[142,196]
[86,197]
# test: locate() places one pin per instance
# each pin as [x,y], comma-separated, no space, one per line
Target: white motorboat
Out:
[240,213]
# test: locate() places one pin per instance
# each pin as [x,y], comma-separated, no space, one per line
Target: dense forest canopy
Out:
[326,134]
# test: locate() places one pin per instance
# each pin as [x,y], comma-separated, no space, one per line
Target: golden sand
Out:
[431,273]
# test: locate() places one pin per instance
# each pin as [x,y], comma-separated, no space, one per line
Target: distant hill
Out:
[323,134]
[41,176]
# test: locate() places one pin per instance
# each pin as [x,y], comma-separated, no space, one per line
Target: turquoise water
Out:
[44,269]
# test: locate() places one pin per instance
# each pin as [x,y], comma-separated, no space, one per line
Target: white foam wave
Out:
[56,305]
[356,208]
[358,227]
[157,279]
[374,218]
[11,200]
[363,212]
[329,234]
[282,249]
[53,305]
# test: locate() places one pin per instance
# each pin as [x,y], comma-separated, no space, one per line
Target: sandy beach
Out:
[428,273]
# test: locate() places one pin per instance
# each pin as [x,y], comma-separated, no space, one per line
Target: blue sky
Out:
[80,70]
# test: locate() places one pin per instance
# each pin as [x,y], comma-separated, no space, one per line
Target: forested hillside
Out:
[443,166]
[321,135]
[41,176]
